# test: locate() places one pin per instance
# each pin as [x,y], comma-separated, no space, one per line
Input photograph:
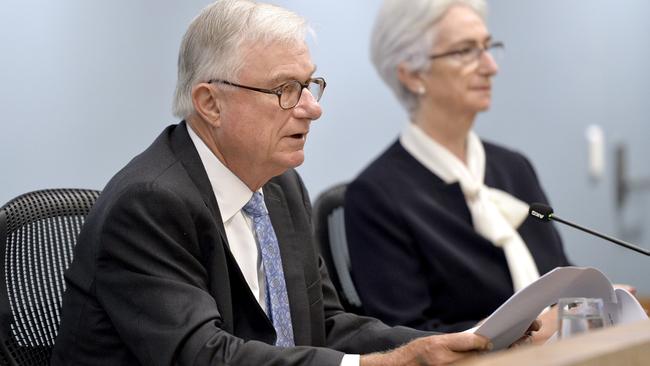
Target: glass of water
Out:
[578,315]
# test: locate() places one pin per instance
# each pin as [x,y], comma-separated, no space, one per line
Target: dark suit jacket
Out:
[154,283]
[416,258]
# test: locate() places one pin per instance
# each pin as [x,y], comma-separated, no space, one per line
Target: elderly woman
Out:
[437,225]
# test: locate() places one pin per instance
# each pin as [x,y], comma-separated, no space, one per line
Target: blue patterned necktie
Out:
[277,300]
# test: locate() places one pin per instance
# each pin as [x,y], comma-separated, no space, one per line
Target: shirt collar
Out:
[231,193]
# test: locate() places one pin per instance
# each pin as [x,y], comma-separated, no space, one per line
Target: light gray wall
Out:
[86,85]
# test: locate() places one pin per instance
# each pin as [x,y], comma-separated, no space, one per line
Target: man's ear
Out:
[410,79]
[207,103]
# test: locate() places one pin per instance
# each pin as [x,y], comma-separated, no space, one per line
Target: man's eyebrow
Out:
[283,77]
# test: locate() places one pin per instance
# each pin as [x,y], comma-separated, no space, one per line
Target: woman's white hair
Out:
[404,31]
[211,45]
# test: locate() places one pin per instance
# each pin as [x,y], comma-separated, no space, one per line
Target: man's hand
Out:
[432,350]
[548,326]
[528,337]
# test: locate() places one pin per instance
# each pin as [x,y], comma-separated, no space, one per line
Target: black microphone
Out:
[545,213]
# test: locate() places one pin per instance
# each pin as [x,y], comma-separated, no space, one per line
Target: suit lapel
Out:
[249,320]
[289,243]
[184,149]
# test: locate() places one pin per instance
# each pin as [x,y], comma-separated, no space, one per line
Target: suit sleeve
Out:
[151,281]
[349,332]
[393,282]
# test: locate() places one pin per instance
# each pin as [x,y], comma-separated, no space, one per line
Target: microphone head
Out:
[540,211]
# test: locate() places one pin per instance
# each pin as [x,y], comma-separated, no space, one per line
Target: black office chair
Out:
[329,230]
[38,231]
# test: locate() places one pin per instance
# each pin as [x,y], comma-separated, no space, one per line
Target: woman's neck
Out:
[448,129]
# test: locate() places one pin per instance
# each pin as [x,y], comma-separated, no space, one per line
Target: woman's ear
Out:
[207,103]
[410,79]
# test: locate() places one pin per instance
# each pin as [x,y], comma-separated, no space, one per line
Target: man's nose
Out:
[308,107]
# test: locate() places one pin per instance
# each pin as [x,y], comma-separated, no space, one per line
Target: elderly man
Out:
[199,251]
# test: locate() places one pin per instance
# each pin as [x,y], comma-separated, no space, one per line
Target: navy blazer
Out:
[416,258]
[153,281]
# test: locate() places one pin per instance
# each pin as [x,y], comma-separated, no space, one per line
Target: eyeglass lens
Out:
[292,91]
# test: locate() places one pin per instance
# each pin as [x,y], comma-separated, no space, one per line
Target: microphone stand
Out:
[602,236]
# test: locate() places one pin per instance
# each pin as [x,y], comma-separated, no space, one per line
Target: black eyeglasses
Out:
[472,54]
[288,93]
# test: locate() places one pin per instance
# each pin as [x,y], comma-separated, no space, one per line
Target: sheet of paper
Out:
[630,310]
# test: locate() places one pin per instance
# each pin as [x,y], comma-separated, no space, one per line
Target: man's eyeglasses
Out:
[288,93]
[471,54]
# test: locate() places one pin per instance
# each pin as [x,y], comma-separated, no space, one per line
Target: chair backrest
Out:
[38,231]
[329,230]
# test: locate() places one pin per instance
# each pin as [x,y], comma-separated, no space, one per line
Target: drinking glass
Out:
[578,315]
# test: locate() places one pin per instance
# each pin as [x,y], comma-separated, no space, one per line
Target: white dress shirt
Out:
[232,194]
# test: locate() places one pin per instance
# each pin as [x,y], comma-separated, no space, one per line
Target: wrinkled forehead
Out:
[275,60]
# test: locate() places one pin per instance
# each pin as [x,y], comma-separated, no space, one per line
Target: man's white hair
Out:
[405,31]
[211,45]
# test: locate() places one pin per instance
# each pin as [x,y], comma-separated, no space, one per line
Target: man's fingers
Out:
[523,341]
[535,326]
[464,342]
[457,356]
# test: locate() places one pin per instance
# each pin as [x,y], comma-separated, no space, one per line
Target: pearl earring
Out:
[421,90]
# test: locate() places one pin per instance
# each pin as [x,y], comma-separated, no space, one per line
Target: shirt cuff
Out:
[351,360]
